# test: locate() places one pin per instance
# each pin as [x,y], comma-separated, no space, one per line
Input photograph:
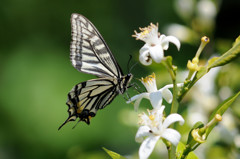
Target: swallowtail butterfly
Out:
[90,54]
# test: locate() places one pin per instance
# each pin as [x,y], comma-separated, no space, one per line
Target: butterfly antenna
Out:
[129,63]
[133,66]
[130,69]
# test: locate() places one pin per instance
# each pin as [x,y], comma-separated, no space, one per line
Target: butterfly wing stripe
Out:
[87,89]
[102,99]
[100,72]
[100,82]
[82,32]
[99,90]
[107,98]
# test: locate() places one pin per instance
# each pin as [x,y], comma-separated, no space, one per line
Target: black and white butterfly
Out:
[90,54]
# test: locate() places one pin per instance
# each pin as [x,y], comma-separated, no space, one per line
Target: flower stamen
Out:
[151,117]
[149,82]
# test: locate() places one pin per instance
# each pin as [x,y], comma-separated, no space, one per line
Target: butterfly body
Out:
[90,54]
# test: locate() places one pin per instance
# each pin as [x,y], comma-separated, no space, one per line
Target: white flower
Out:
[155,44]
[154,126]
[155,96]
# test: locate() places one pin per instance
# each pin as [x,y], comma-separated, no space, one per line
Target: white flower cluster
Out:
[154,125]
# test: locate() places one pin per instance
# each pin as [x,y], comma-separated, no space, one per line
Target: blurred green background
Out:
[36,74]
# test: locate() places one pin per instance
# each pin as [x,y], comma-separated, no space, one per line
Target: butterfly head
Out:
[124,82]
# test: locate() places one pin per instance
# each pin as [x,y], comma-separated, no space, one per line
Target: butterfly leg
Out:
[128,96]
[136,87]
[76,124]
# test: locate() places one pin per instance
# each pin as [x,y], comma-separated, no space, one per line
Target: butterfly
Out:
[90,54]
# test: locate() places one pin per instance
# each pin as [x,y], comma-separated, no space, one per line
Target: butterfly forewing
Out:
[88,52]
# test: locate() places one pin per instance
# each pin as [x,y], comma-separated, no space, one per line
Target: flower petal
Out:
[156,98]
[167,95]
[171,135]
[144,119]
[136,104]
[133,98]
[156,53]
[144,56]
[137,99]
[171,39]
[172,118]
[164,42]
[142,132]
[159,113]
[180,84]
[147,146]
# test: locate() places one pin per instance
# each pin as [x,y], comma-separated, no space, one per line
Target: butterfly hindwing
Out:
[89,52]
[87,97]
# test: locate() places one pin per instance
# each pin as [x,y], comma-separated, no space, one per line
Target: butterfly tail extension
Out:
[70,118]
[71,110]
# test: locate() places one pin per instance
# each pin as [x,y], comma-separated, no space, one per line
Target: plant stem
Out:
[174,108]
[172,152]
[175,102]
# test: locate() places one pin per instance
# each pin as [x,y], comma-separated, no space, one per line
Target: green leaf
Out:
[191,155]
[221,109]
[212,60]
[113,155]
[227,57]
[201,72]
[237,41]
[180,149]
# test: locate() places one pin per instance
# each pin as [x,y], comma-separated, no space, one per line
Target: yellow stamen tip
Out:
[148,78]
[205,39]
[145,32]
[151,117]
[153,75]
